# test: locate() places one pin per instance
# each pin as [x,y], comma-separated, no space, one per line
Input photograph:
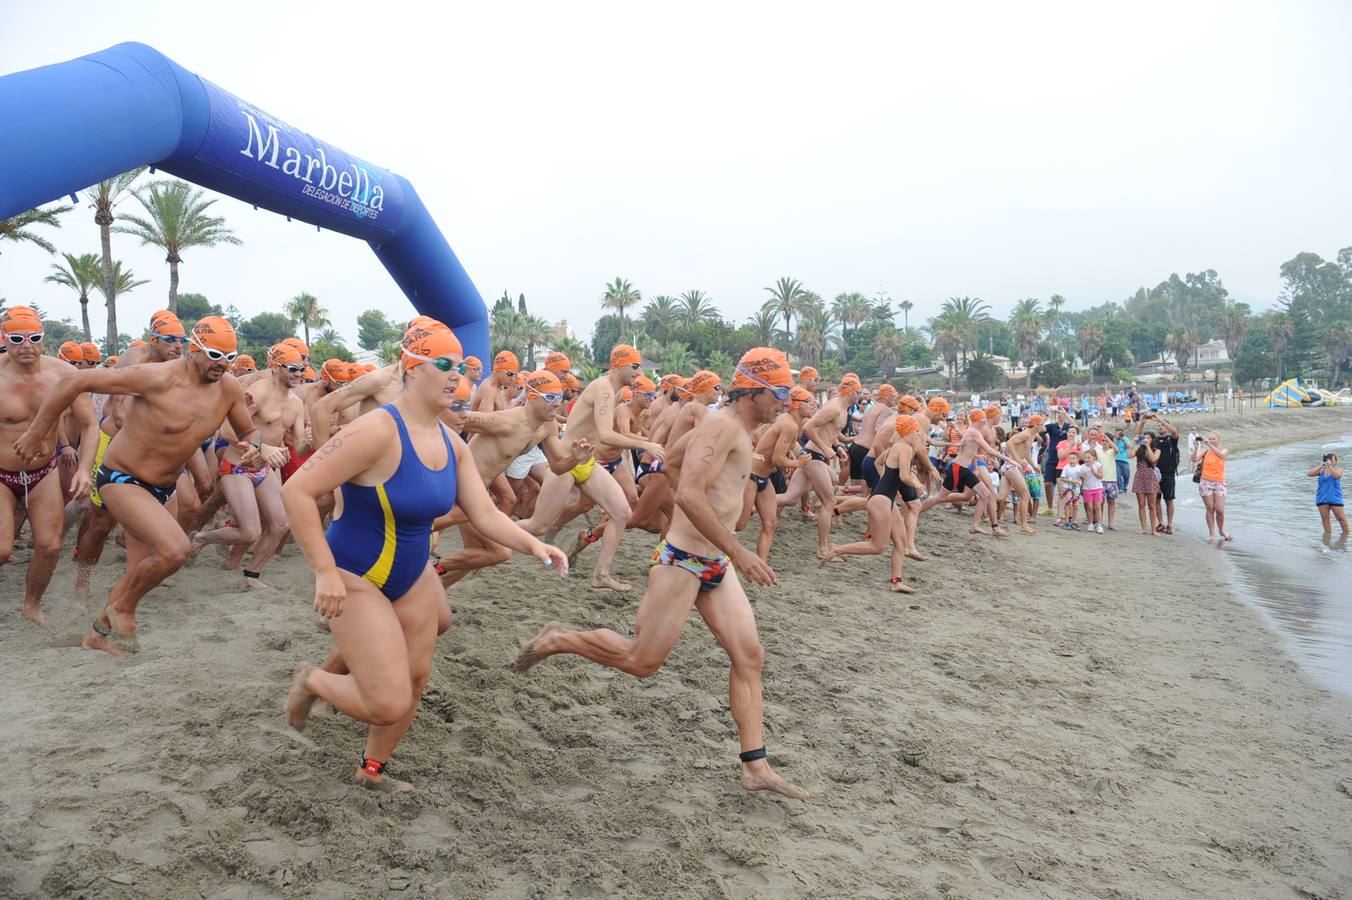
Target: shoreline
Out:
[1063,714]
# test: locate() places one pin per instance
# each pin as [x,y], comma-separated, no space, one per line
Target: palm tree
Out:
[811,340]
[696,308]
[389,352]
[887,344]
[124,281]
[507,328]
[906,307]
[677,358]
[785,298]
[1091,339]
[1027,321]
[80,274]
[851,310]
[619,296]
[1181,343]
[329,336]
[305,309]
[176,219]
[948,343]
[962,316]
[721,364]
[1337,341]
[659,316]
[572,348]
[1280,331]
[535,331]
[103,197]
[17,228]
[765,322]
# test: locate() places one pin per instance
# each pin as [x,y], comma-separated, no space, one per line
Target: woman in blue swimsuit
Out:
[397,469]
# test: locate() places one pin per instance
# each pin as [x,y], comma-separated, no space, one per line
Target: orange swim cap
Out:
[283,355]
[215,333]
[850,384]
[166,324]
[245,361]
[760,366]
[702,382]
[21,320]
[977,415]
[626,394]
[887,392]
[309,374]
[570,382]
[464,389]
[558,362]
[355,371]
[506,361]
[1037,420]
[428,342]
[798,396]
[906,425]
[418,320]
[808,373]
[910,403]
[940,406]
[336,370]
[544,382]
[624,355]
[70,352]
[90,351]
[644,383]
[993,412]
[110,361]
[473,362]
[298,344]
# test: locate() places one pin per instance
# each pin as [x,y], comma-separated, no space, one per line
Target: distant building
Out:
[559,331]
[1210,353]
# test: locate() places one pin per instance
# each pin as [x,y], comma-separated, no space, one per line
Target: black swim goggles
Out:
[213,354]
[779,392]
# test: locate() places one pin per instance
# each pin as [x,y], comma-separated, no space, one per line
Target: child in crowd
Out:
[1069,485]
[1091,482]
[1328,495]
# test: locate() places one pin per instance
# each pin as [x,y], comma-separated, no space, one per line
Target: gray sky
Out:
[998,150]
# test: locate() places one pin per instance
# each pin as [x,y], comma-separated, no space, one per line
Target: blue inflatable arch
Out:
[80,122]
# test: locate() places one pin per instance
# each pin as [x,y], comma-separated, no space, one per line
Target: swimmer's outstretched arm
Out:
[473,499]
[364,388]
[115,381]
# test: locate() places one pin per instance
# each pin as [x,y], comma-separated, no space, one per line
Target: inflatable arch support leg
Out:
[76,123]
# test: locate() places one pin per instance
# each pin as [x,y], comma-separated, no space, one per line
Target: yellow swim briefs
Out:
[582,471]
[104,440]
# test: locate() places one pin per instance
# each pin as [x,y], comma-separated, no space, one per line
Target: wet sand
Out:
[1060,715]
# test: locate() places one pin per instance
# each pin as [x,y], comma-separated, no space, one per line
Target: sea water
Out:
[1280,559]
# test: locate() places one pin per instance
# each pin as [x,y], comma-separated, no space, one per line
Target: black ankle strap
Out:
[248,574]
[752,755]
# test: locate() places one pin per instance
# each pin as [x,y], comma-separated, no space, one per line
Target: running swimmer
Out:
[820,434]
[398,468]
[698,564]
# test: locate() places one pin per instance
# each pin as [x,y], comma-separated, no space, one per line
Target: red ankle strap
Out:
[372,767]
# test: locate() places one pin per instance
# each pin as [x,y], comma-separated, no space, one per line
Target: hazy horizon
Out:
[990,151]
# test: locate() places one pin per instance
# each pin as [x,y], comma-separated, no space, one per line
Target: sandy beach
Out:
[1061,715]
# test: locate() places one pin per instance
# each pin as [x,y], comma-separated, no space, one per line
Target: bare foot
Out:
[830,557]
[531,652]
[34,615]
[916,555]
[194,548]
[603,581]
[254,584]
[1228,536]
[301,698]
[900,587]
[1026,530]
[96,641]
[579,544]
[999,532]
[769,780]
[385,784]
[976,531]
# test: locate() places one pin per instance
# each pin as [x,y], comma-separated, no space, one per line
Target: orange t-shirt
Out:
[1213,467]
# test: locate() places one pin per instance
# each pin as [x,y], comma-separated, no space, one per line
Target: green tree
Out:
[507,330]
[80,274]
[1234,325]
[1279,331]
[619,296]
[323,349]
[695,308]
[388,352]
[1027,322]
[575,350]
[1091,340]
[764,322]
[305,309]
[678,358]
[962,316]
[1051,374]
[535,332]
[124,280]
[175,219]
[103,197]
[264,330]
[660,317]
[851,310]
[1181,343]
[887,346]
[1337,341]
[906,307]
[374,329]
[721,364]
[192,307]
[786,296]
[19,228]
[605,335]
[982,373]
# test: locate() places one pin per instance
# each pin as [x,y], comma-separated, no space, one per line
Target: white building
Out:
[1210,353]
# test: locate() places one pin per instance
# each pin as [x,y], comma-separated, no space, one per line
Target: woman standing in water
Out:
[1212,456]
[1328,495]
[397,468]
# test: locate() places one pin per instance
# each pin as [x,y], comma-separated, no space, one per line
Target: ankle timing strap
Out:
[248,574]
[372,767]
[752,755]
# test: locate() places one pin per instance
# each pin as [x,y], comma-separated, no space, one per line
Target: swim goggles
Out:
[648,395]
[443,363]
[778,392]
[293,369]
[34,338]
[213,354]
[170,338]
[551,398]
[459,406]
